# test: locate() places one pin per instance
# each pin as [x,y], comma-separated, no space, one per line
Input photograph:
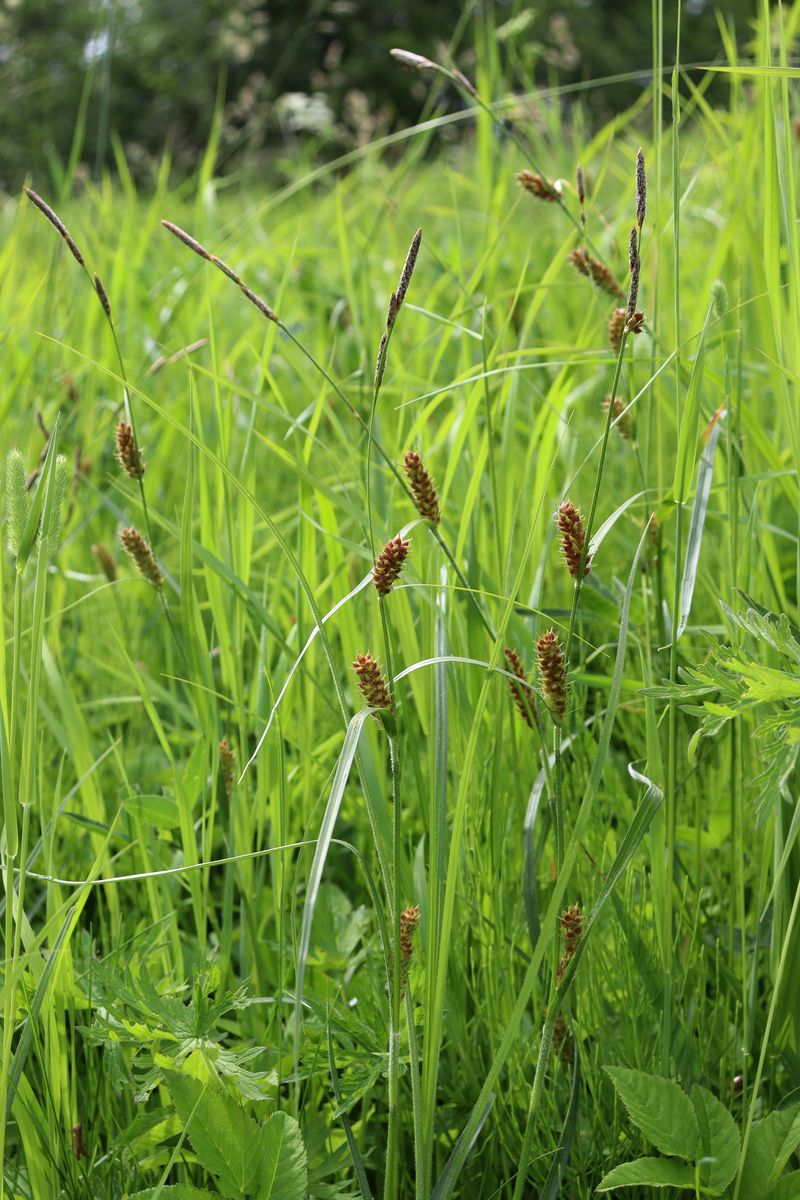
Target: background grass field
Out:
[268,496]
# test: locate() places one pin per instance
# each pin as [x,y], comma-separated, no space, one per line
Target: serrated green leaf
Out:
[719,1140]
[768,1151]
[173,1191]
[660,1109]
[284,1174]
[223,1137]
[649,1172]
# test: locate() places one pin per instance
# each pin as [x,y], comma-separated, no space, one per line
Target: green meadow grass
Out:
[179,925]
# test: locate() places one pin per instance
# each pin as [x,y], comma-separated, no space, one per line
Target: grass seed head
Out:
[553,674]
[17,501]
[371,682]
[408,269]
[105,561]
[641,188]
[141,556]
[523,700]
[422,488]
[102,294]
[55,524]
[597,271]
[389,564]
[227,765]
[380,362]
[57,224]
[541,188]
[128,456]
[616,327]
[409,919]
[571,929]
[622,417]
[187,239]
[413,62]
[580,185]
[719,295]
[573,538]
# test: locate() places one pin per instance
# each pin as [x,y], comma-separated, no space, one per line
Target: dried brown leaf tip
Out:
[105,561]
[422,488]
[389,564]
[595,270]
[573,537]
[641,188]
[128,456]
[141,556]
[616,327]
[541,188]
[553,674]
[409,919]
[57,224]
[621,417]
[227,765]
[571,929]
[371,682]
[522,697]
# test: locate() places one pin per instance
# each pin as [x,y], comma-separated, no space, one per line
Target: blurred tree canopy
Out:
[149,73]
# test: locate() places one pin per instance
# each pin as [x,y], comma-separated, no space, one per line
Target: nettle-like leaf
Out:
[720,1142]
[660,1109]
[649,1172]
[225,1139]
[284,1172]
[787,1188]
[175,1191]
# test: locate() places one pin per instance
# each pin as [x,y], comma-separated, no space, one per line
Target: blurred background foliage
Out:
[84,81]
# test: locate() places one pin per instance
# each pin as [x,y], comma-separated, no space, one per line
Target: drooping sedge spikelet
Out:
[553,673]
[539,187]
[598,272]
[227,765]
[141,556]
[571,928]
[622,418]
[105,561]
[615,329]
[17,502]
[389,564]
[409,919]
[102,295]
[422,488]
[573,537]
[57,224]
[641,188]
[580,184]
[523,699]
[371,682]
[414,62]
[129,457]
[201,251]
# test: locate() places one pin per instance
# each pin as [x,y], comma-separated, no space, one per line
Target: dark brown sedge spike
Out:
[408,269]
[641,188]
[102,295]
[616,327]
[409,919]
[622,418]
[571,928]
[389,564]
[57,224]
[227,765]
[598,272]
[635,267]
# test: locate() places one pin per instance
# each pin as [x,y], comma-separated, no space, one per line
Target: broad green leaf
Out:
[649,1172]
[768,1151]
[720,1142]
[284,1175]
[161,811]
[787,1188]
[660,1109]
[223,1137]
